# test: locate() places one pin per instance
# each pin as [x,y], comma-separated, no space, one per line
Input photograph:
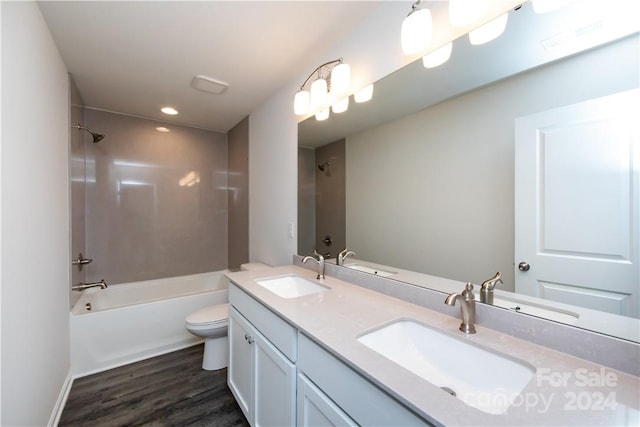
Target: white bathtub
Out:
[135,321]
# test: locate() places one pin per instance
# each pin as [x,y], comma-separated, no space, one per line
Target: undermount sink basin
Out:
[534,309]
[291,286]
[480,377]
[370,270]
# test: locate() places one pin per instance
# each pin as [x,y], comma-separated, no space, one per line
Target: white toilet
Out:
[211,323]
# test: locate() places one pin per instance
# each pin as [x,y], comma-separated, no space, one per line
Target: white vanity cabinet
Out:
[316,408]
[261,376]
[348,392]
[280,377]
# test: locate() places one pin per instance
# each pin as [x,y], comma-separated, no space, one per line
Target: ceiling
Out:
[136,57]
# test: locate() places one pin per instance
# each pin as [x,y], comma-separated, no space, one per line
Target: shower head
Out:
[96,136]
[321,166]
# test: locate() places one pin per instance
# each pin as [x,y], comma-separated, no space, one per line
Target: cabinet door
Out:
[316,409]
[241,370]
[275,382]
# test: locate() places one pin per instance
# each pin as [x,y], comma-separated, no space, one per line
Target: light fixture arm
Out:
[319,69]
[414,6]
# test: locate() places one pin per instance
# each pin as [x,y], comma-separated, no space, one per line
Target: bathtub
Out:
[134,321]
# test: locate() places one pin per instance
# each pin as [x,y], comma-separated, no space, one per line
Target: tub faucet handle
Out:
[81,261]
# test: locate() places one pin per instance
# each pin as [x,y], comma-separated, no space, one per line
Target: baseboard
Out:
[146,355]
[62,399]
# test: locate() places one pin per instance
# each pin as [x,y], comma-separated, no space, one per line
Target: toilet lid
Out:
[212,314]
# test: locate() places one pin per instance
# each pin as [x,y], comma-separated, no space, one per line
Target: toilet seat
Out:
[215,315]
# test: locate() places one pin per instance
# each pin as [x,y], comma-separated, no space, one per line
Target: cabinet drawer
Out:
[316,409]
[365,403]
[281,334]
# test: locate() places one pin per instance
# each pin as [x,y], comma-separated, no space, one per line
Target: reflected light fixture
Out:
[331,85]
[489,31]
[363,95]
[438,56]
[162,129]
[544,6]
[465,12]
[416,30]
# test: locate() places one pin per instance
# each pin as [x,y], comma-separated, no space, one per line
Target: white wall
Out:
[446,173]
[35,218]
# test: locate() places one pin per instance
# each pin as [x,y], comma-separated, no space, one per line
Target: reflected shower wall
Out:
[156,202]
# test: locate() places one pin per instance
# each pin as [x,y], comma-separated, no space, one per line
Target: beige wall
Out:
[145,220]
[433,192]
[35,219]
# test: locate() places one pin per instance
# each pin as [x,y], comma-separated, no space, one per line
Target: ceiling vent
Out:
[207,84]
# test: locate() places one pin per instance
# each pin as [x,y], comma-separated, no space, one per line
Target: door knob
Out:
[523,266]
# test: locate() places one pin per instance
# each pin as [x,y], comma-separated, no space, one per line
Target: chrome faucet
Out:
[82,286]
[343,255]
[486,289]
[467,308]
[319,261]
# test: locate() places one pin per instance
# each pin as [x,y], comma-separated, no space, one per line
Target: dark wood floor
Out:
[168,390]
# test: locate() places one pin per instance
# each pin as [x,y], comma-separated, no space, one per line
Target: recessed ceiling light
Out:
[169,110]
[162,129]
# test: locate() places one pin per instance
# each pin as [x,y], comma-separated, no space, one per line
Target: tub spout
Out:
[82,286]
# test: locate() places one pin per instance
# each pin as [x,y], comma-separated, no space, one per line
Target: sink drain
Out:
[448,390]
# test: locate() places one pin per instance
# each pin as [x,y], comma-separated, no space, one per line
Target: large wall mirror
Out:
[423,177]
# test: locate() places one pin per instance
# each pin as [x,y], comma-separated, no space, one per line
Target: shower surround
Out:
[156,202]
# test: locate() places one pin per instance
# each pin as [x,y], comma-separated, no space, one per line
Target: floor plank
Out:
[168,390]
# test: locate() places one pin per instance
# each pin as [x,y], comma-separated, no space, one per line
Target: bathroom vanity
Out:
[327,352]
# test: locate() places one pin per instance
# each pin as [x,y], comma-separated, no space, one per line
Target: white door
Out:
[240,371]
[577,197]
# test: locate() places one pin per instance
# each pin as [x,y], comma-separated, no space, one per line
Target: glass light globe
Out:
[438,56]
[301,102]
[416,31]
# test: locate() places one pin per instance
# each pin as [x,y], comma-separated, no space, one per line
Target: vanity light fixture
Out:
[438,56]
[162,129]
[332,83]
[322,114]
[169,110]
[544,6]
[341,105]
[465,12]
[417,27]
[489,31]
[363,95]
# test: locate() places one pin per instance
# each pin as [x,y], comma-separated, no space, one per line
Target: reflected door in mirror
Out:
[577,202]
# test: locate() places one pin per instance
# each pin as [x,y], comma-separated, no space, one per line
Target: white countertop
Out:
[336,318]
